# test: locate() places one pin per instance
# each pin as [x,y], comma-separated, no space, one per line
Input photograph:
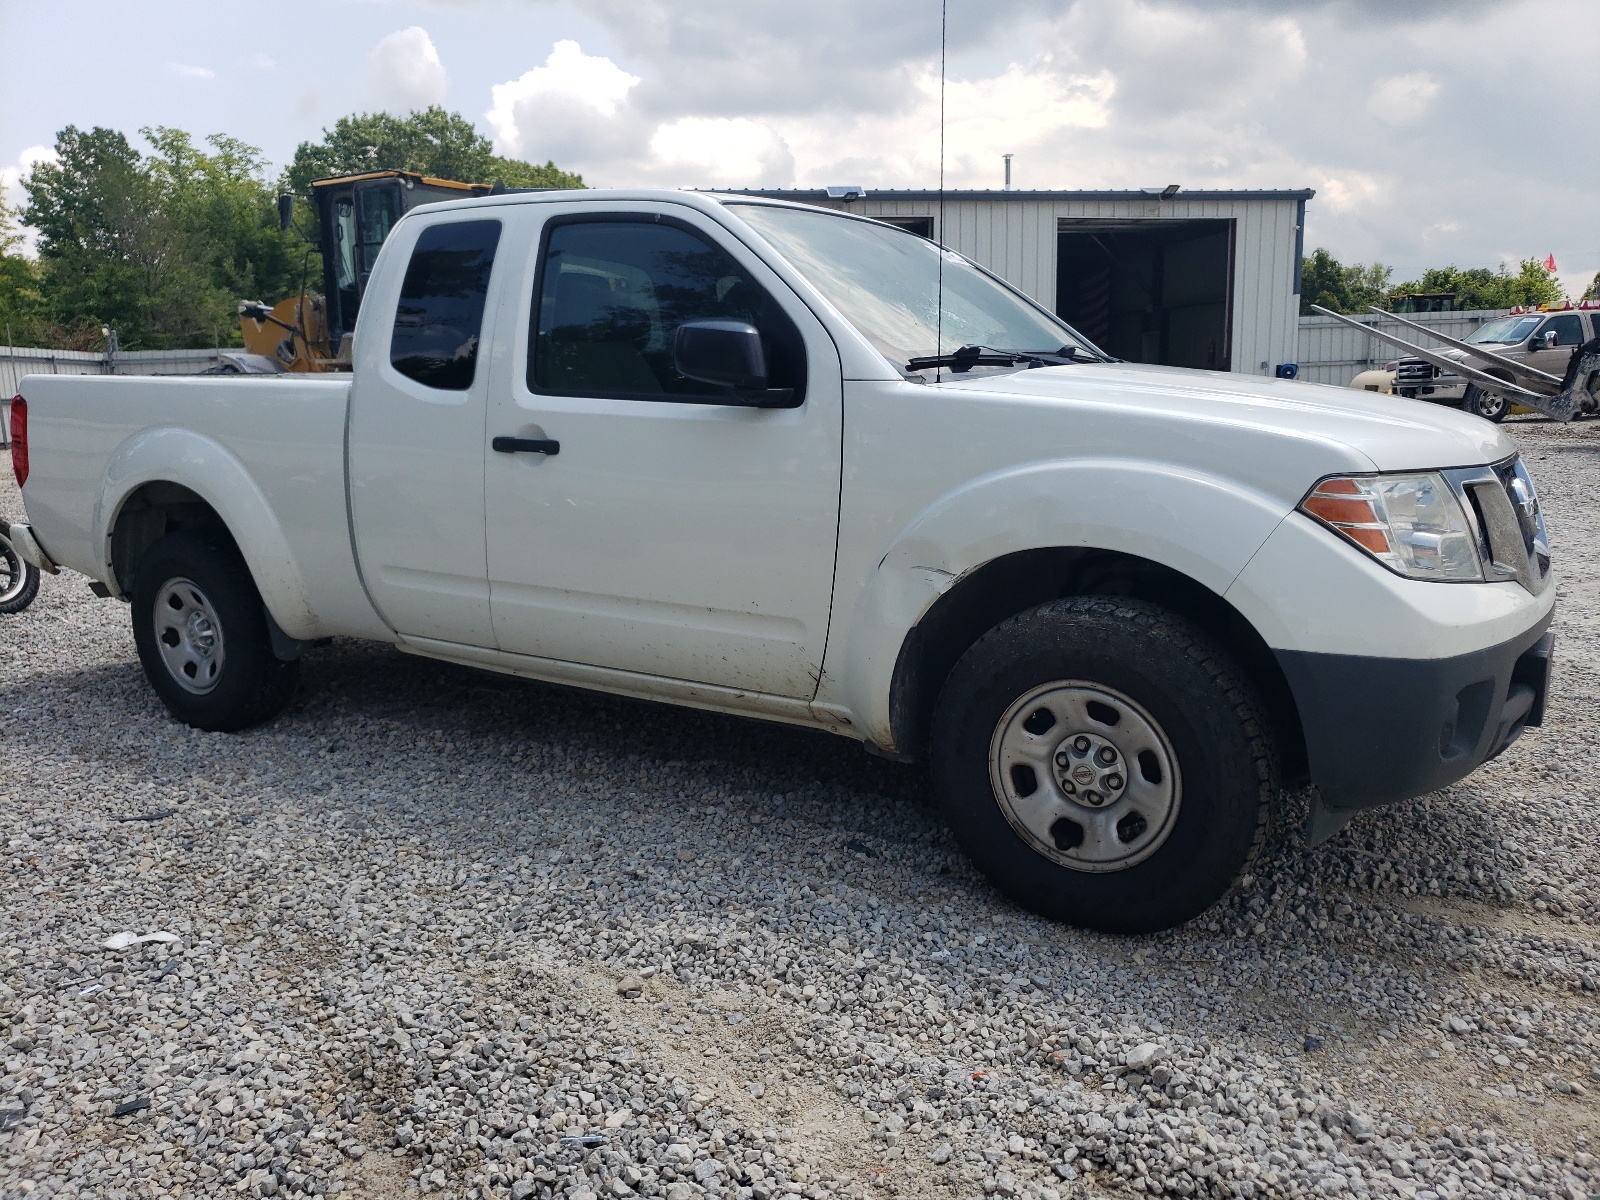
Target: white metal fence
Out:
[17,361]
[1332,352]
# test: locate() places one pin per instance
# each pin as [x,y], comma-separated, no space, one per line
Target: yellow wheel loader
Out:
[354,215]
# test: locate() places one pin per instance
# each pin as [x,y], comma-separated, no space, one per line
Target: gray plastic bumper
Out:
[1379,730]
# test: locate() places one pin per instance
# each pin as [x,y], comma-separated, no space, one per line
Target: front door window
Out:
[612,295]
[1568,328]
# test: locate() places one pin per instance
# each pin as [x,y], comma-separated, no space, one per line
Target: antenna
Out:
[938,321]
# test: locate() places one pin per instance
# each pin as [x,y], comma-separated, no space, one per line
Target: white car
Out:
[735,454]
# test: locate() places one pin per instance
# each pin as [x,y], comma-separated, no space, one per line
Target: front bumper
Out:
[1379,730]
[1450,389]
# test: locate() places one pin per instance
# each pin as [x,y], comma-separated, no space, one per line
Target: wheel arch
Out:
[1016,582]
[147,514]
[170,479]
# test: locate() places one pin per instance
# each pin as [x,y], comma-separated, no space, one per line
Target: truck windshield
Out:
[1504,331]
[886,281]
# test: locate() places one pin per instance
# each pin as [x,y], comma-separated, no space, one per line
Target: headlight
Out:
[1412,524]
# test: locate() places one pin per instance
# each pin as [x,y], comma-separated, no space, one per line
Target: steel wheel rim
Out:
[1085,775]
[1490,404]
[189,636]
[14,571]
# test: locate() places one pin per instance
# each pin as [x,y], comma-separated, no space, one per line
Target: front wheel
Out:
[201,632]
[1104,763]
[1486,403]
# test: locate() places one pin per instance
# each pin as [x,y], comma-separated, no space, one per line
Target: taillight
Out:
[19,439]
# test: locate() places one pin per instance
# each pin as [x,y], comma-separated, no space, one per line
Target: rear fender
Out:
[206,468]
[1199,525]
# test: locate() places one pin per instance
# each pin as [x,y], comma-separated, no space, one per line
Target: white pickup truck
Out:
[765,459]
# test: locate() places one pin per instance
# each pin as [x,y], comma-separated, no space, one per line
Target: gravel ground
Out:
[432,922]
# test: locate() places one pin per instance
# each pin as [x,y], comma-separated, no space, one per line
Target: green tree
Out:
[93,209]
[1480,288]
[1592,292]
[1328,282]
[429,142]
[161,246]
[22,304]
[223,206]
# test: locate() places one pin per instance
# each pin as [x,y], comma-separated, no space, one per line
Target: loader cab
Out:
[355,214]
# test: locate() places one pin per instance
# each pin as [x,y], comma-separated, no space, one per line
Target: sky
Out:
[1434,131]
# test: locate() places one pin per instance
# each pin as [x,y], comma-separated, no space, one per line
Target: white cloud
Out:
[263,62]
[189,72]
[1347,190]
[404,72]
[11,192]
[557,104]
[1175,62]
[724,151]
[1090,94]
[584,112]
[1403,99]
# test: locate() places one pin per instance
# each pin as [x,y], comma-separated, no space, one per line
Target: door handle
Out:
[516,445]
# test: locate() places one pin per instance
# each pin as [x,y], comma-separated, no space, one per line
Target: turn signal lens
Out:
[19,439]
[1412,524]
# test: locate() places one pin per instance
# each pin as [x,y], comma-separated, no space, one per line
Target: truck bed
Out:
[270,459]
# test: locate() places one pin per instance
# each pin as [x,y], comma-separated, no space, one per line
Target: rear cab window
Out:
[439,319]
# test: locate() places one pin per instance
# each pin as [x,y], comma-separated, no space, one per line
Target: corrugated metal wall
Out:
[1332,352]
[1016,239]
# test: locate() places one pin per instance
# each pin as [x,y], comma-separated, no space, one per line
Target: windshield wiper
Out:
[967,357]
[963,359]
[1050,358]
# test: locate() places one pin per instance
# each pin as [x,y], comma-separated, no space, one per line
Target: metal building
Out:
[1188,278]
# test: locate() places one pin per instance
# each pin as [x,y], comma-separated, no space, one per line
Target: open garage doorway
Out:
[1149,291]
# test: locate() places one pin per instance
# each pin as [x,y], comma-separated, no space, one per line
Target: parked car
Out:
[729,453]
[1541,338]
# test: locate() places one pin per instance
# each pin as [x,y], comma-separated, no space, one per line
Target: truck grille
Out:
[1413,372]
[1531,539]
[1510,527]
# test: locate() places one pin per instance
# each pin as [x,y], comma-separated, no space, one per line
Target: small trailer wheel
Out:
[19,581]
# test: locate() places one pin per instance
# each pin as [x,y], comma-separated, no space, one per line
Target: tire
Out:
[19,582]
[1153,849]
[1491,406]
[201,632]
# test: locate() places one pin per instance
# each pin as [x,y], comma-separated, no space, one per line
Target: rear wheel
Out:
[19,582]
[201,632]
[1486,403]
[1105,763]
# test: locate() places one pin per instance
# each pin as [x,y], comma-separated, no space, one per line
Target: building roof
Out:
[810,195]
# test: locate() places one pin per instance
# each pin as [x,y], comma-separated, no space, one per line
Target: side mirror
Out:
[1547,340]
[285,212]
[726,353]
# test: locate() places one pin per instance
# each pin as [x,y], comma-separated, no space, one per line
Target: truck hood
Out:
[1391,433]
[1513,351]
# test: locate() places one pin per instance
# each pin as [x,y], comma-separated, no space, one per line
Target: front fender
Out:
[181,456]
[1199,525]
